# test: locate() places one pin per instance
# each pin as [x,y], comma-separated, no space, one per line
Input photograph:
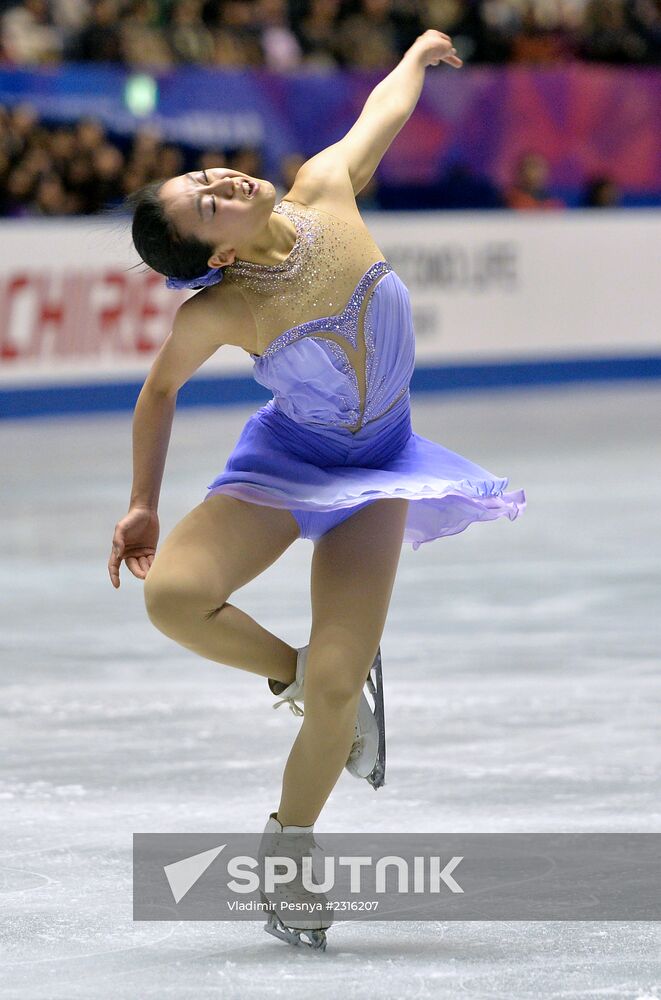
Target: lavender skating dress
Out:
[337,435]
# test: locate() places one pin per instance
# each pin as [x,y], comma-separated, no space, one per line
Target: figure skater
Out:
[302,287]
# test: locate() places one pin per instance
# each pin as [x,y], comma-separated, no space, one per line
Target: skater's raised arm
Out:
[384,114]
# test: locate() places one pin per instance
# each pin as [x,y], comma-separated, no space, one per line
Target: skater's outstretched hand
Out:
[134,541]
[433,47]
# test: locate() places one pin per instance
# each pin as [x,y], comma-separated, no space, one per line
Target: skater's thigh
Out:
[220,546]
[353,573]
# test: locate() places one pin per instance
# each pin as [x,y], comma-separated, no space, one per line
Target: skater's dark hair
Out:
[157,240]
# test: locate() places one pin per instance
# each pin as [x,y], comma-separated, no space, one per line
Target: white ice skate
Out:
[296,915]
[367,757]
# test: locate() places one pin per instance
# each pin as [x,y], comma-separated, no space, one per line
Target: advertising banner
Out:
[77,306]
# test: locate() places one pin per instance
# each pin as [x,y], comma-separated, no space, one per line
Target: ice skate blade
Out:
[316,938]
[377,777]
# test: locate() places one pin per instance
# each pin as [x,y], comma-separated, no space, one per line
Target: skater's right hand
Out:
[134,541]
[433,47]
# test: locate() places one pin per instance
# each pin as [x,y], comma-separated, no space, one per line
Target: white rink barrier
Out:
[497,298]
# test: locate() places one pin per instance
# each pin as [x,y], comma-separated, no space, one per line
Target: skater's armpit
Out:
[323,182]
[201,326]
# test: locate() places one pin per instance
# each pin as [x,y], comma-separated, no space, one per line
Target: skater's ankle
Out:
[286,676]
[293,820]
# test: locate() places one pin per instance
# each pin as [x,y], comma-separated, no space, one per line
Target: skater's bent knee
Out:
[171,600]
[335,693]
[334,681]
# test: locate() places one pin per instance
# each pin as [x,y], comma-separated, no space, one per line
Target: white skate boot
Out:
[367,757]
[293,909]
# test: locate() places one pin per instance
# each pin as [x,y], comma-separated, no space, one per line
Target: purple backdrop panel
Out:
[584,119]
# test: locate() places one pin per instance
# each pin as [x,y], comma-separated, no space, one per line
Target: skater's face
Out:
[216,207]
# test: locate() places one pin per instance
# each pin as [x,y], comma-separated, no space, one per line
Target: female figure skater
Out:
[332,457]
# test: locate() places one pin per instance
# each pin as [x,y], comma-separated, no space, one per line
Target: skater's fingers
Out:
[134,566]
[113,570]
[144,564]
[115,559]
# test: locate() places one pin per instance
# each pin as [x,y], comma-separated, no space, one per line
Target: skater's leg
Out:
[353,573]
[214,550]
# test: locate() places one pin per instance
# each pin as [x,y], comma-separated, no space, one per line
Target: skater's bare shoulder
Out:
[324,182]
[202,324]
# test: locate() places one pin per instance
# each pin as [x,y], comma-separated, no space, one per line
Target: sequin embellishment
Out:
[306,280]
[266,278]
[345,323]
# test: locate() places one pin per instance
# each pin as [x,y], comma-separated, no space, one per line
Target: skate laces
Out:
[293,707]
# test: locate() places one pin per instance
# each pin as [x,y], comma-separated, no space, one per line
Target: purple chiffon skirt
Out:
[327,474]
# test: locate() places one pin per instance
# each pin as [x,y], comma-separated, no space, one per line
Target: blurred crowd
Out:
[283,35]
[80,170]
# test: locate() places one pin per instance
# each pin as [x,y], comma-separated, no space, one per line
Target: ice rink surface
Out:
[523,693]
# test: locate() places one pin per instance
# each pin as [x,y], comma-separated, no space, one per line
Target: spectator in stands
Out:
[100,39]
[81,170]
[190,39]
[600,192]
[461,188]
[5,167]
[108,169]
[70,16]
[542,36]
[79,183]
[143,42]
[237,36]
[282,52]
[90,134]
[645,19]
[20,189]
[50,198]
[609,34]
[319,36]
[62,148]
[369,39]
[29,34]
[21,125]
[529,188]
[283,34]
[146,148]
[500,22]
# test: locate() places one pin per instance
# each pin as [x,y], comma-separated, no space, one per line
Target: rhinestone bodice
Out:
[346,350]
